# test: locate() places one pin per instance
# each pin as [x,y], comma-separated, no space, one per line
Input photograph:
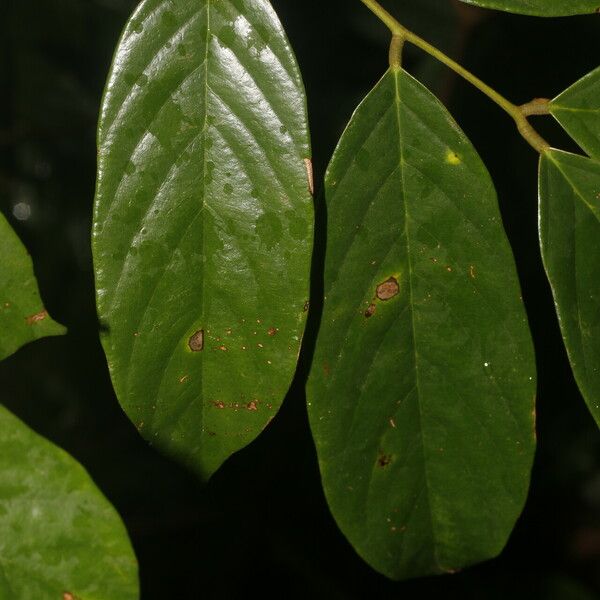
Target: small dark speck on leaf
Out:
[370,311]
[272,331]
[388,289]
[306,305]
[384,460]
[196,342]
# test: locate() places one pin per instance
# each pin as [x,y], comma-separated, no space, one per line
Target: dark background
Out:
[262,526]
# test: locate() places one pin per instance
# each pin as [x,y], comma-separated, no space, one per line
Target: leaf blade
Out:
[569,232]
[204,296]
[577,109]
[23,318]
[59,534]
[540,8]
[396,354]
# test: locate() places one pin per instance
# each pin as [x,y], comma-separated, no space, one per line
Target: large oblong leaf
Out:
[542,8]
[59,537]
[570,239]
[421,393]
[577,109]
[203,223]
[22,315]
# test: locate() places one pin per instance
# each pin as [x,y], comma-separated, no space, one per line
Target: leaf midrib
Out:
[398,103]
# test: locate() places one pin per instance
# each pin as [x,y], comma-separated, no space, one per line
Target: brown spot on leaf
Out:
[37,317]
[68,596]
[370,311]
[306,306]
[384,460]
[388,289]
[272,331]
[196,341]
[219,404]
[222,348]
[252,405]
[309,175]
[184,378]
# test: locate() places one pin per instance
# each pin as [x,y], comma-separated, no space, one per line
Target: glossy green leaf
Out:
[542,8]
[570,240]
[203,223]
[22,315]
[59,537]
[421,393]
[578,111]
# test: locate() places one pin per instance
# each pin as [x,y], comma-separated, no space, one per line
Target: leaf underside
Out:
[203,223]
[22,315]
[570,234]
[58,534]
[541,8]
[578,111]
[421,393]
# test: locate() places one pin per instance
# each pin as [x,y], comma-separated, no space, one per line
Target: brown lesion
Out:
[388,289]
[309,175]
[252,405]
[370,311]
[37,317]
[383,460]
[196,341]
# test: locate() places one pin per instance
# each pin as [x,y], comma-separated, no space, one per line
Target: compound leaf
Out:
[59,536]
[541,8]
[421,393]
[203,223]
[570,235]
[22,315]
[578,111]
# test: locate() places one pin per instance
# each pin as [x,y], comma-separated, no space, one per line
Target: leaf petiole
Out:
[401,34]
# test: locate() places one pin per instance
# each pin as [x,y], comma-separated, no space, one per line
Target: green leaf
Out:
[421,393]
[541,8]
[22,315]
[570,240]
[203,223]
[59,536]
[578,111]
